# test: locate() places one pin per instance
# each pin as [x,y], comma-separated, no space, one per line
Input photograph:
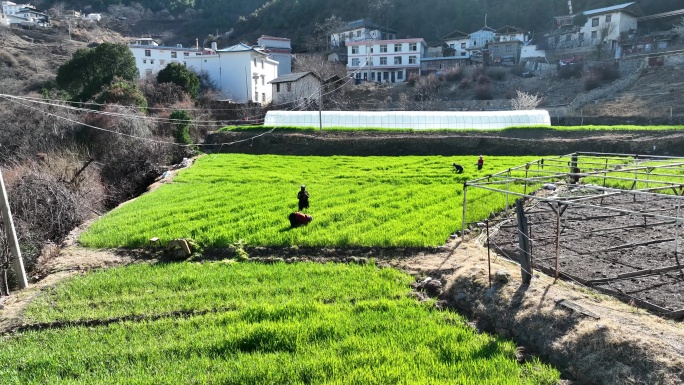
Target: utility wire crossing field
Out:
[302,323]
[355,201]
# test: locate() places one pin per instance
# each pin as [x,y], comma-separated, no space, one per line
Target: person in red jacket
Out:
[299,219]
[480,163]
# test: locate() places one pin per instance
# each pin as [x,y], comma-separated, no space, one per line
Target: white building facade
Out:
[10,8]
[360,30]
[278,49]
[242,73]
[150,57]
[385,61]
[603,25]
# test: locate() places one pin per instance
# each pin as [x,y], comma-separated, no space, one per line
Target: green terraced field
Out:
[272,324]
[355,201]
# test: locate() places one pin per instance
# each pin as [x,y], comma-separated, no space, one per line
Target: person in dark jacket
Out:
[458,167]
[303,197]
[299,219]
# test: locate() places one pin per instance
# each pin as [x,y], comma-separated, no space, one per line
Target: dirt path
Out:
[624,345]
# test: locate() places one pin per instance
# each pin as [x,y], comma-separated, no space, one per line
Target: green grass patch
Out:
[548,128]
[355,201]
[291,324]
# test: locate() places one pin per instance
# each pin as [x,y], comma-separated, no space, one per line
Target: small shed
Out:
[298,87]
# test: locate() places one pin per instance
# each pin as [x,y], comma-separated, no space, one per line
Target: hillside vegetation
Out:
[297,19]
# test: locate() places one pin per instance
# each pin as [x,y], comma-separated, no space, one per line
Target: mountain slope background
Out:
[186,20]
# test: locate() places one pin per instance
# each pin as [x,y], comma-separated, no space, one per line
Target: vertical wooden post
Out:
[489,258]
[17,262]
[558,231]
[605,174]
[463,220]
[527,169]
[320,106]
[507,178]
[678,225]
[524,244]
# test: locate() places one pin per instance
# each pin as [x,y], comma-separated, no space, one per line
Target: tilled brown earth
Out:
[613,252]
[510,142]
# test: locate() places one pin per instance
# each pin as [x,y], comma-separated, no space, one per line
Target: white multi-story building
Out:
[10,8]
[278,49]
[386,61]
[151,58]
[360,30]
[242,73]
[603,25]
[469,45]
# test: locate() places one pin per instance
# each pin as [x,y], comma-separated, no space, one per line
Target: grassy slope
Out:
[373,201]
[288,324]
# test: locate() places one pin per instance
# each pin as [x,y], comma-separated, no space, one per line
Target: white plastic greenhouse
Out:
[417,120]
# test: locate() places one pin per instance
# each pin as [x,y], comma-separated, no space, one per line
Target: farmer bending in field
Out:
[458,167]
[299,219]
[303,197]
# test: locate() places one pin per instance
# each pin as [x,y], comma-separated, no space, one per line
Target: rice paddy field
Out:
[355,201]
[249,323]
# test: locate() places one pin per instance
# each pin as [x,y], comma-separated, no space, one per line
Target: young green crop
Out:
[290,324]
[368,201]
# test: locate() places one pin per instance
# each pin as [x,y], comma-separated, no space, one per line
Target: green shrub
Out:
[182,131]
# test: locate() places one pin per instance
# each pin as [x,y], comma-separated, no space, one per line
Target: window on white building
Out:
[186,53]
[358,33]
[397,48]
[263,80]
[278,87]
[595,22]
[262,64]
[567,37]
[144,61]
[581,36]
[383,61]
[289,87]
[509,48]
[255,64]
[463,53]
[397,60]
[263,97]
[161,62]
[148,72]
[413,47]
[608,18]
[174,55]
[355,49]
[400,74]
[413,59]
[495,49]
[151,61]
[463,45]
[383,48]
[594,35]
[148,53]
[355,62]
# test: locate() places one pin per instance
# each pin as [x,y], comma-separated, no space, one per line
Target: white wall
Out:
[371,53]
[621,22]
[457,45]
[417,120]
[159,57]
[234,73]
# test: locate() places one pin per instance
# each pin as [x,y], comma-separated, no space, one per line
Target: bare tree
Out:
[382,8]
[603,34]
[525,101]
[323,31]
[679,28]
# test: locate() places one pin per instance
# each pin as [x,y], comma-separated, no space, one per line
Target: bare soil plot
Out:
[633,257]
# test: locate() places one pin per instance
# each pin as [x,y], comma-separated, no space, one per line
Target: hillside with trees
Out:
[297,19]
